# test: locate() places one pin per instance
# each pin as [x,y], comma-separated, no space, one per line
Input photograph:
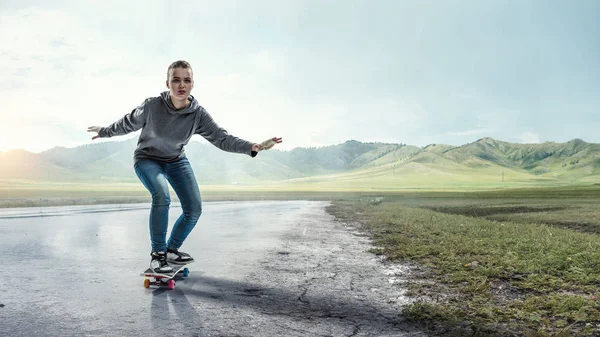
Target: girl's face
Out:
[180,83]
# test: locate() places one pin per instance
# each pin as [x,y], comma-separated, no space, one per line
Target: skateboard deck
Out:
[165,279]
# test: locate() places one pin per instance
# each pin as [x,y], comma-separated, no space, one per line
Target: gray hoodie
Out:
[166,130]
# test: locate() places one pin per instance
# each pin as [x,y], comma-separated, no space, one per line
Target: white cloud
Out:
[252,107]
[468,132]
[529,138]
[265,62]
[376,119]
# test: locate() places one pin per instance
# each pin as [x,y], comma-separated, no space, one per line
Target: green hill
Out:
[350,165]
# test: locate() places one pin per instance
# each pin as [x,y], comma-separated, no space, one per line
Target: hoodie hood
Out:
[166,98]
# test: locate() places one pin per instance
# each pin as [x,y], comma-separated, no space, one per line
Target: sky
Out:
[314,72]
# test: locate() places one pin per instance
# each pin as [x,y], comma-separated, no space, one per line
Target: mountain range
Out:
[383,165]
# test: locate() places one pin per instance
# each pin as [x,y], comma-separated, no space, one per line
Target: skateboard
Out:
[165,279]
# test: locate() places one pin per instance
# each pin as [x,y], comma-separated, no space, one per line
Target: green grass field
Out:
[380,180]
[56,194]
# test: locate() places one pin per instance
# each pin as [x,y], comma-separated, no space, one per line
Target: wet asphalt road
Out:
[262,269]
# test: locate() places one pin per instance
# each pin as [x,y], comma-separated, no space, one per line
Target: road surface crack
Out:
[302,298]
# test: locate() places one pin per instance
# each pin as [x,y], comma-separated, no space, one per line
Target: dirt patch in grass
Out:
[587,227]
[570,216]
[486,211]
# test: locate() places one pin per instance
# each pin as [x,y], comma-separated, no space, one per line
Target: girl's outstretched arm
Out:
[131,122]
[219,137]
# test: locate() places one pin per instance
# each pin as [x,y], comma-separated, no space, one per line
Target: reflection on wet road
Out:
[74,271]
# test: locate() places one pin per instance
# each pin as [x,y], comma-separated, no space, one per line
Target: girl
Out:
[168,121]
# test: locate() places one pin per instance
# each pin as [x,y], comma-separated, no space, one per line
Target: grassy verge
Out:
[500,266]
[66,198]
[55,194]
[19,194]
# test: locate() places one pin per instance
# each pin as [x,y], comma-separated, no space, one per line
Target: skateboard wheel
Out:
[171,284]
[186,272]
[146,283]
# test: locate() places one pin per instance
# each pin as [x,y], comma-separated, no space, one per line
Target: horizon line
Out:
[303,147]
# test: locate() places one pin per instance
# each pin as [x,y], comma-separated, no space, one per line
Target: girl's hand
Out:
[267,144]
[95,129]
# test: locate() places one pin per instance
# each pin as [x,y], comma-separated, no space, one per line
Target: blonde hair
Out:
[178,64]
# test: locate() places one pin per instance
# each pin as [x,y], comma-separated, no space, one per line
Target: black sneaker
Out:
[159,264]
[176,257]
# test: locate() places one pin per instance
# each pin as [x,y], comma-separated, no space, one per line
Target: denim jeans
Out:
[155,175]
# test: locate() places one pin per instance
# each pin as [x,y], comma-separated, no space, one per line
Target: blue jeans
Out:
[155,175]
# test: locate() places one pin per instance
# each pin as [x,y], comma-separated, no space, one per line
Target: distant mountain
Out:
[352,162]
[559,159]
[20,164]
